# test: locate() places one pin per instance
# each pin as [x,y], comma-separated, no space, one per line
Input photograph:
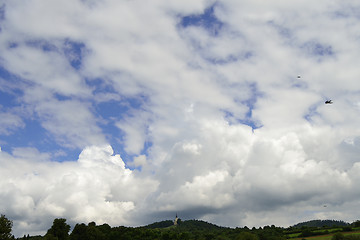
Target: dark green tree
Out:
[246,236]
[185,236]
[209,236]
[60,229]
[352,237]
[79,232]
[356,223]
[5,228]
[94,232]
[338,236]
[165,236]
[104,228]
[179,221]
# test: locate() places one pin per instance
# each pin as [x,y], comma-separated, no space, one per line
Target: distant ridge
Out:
[322,223]
[162,224]
[191,225]
[188,225]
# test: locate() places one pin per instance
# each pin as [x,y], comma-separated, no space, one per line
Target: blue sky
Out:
[128,112]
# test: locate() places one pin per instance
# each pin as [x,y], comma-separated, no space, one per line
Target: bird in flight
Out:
[328,102]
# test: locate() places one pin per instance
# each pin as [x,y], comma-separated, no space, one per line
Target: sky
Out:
[130,112]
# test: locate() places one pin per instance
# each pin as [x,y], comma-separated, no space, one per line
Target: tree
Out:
[94,233]
[246,236]
[338,236]
[60,229]
[179,221]
[79,232]
[356,223]
[5,228]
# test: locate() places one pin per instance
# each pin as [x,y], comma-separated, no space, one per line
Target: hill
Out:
[162,224]
[198,225]
[198,229]
[322,223]
[187,225]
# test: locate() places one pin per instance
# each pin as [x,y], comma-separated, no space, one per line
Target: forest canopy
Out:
[182,230]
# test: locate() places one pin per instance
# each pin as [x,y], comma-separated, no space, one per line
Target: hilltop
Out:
[188,225]
[322,223]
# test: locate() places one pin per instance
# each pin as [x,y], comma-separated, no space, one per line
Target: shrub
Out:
[338,236]
[352,237]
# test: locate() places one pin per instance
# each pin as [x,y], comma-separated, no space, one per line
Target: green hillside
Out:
[322,223]
[196,230]
[162,224]
[188,225]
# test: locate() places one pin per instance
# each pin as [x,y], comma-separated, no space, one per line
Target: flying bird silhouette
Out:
[328,102]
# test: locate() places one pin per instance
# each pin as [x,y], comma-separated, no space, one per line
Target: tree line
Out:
[322,223]
[165,230]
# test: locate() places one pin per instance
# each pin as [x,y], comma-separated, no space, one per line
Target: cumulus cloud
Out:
[253,172]
[97,187]
[201,98]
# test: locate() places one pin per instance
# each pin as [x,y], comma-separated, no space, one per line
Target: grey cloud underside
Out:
[201,99]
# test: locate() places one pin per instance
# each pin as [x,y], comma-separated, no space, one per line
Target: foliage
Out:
[246,236]
[185,230]
[318,227]
[338,236]
[162,224]
[356,223]
[31,237]
[321,223]
[352,237]
[197,225]
[271,233]
[347,229]
[5,228]
[59,230]
[79,232]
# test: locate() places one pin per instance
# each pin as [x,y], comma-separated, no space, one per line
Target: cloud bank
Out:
[127,112]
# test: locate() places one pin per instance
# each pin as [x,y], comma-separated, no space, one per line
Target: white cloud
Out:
[135,129]
[30,154]
[71,122]
[9,122]
[48,69]
[139,161]
[255,174]
[97,187]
